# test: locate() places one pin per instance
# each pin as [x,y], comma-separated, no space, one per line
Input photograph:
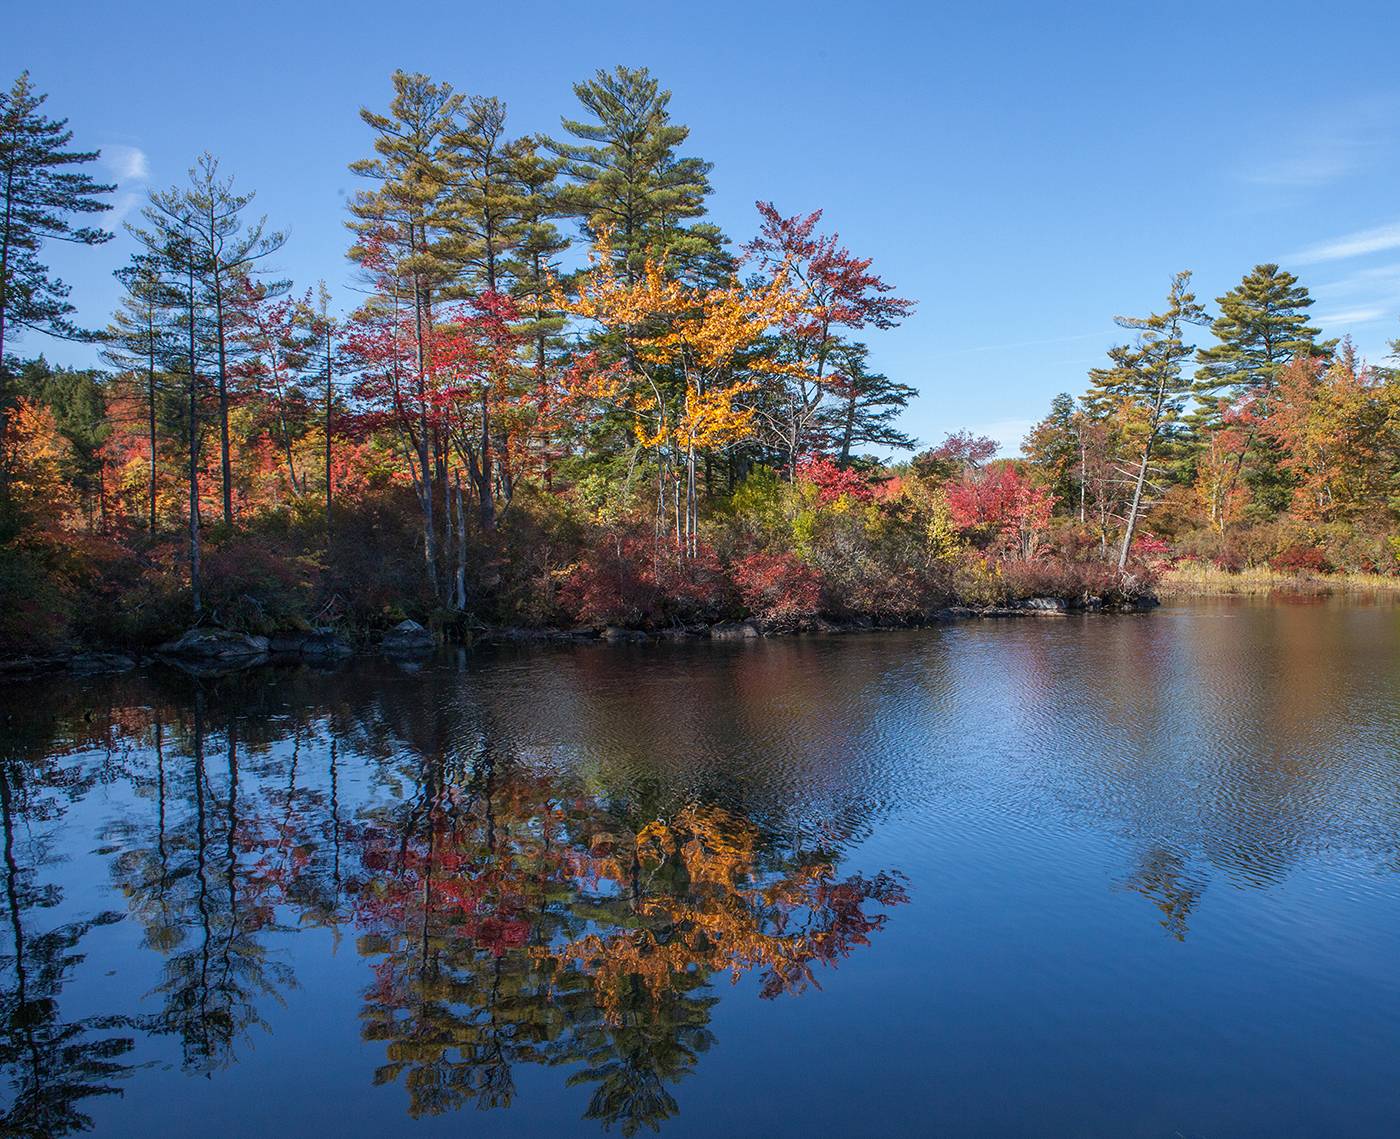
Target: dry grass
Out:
[1198,578]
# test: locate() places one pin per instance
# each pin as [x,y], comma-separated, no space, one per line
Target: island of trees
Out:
[558,396]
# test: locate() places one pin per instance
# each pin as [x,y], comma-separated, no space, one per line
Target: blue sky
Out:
[1024,171]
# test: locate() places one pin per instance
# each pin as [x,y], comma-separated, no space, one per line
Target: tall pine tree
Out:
[42,191]
[627,177]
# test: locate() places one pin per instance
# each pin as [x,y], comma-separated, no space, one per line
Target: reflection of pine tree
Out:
[51,1065]
[1162,877]
[200,908]
[641,1044]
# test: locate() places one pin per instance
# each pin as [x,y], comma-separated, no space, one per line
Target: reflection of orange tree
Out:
[511,925]
[706,903]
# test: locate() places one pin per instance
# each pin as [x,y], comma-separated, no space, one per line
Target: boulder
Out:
[90,664]
[734,631]
[622,636]
[1045,605]
[321,644]
[215,646]
[407,638]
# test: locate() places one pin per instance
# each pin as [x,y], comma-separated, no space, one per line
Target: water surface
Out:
[1099,876]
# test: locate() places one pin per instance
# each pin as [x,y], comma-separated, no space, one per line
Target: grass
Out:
[1199,578]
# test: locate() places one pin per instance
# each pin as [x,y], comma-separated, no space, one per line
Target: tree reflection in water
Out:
[509,911]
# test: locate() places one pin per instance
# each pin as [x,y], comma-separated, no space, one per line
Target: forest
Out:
[558,396]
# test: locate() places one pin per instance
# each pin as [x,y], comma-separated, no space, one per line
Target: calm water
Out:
[1133,876]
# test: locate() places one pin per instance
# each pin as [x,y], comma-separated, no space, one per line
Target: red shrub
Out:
[1002,504]
[626,579]
[778,587]
[1300,559]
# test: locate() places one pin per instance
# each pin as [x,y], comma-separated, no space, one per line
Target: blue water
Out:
[1098,876]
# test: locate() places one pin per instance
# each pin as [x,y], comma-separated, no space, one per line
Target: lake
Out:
[1090,876]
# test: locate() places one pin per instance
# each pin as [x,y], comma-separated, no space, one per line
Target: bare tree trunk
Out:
[328,433]
[225,463]
[194,453]
[151,421]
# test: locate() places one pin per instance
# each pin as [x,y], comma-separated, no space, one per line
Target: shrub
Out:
[1300,559]
[778,588]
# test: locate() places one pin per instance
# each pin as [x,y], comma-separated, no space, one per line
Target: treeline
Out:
[1277,448]
[557,394]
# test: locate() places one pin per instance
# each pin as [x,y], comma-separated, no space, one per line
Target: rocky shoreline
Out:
[208,651]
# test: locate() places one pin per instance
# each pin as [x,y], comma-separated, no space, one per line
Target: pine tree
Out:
[1263,324]
[627,177]
[1147,383]
[138,341]
[40,191]
[487,204]
[866,405]
[1055,447]
[201,228]
[406,242]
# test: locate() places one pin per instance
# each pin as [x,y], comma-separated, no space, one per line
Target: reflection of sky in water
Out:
[1150,865]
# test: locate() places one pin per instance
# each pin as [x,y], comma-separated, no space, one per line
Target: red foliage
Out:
[964,449]
[1151,551]
[1003,504]
[627,579]
[1300,559]
[843,290]
[832,482]
[778,587]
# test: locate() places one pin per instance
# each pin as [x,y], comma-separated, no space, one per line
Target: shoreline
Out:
[243,653]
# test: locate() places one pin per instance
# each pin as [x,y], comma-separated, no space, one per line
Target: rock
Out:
[622,636]
[321,644]
[734,631]
[1049,606]
[90,664]
[407,638]
[216,646]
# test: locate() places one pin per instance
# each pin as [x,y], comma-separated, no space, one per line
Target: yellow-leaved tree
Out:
[682,374]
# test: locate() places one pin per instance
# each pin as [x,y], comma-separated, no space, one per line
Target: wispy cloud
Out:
[1358,244]
[1325,148]
[128,163]
[1352,316]
[131,168]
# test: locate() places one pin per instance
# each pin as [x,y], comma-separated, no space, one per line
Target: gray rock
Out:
[322,644]
[215,645]
[622,636]
[407,638]
[1046,605]
[89,664]
[734,631]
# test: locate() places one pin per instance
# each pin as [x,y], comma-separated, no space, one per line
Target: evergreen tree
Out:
[1147,383]
[139,339]
[1263,324]
[627,177]
[534,258]
[40,191]
[867,405]
[487,203]
[405,241]
[1055,447]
